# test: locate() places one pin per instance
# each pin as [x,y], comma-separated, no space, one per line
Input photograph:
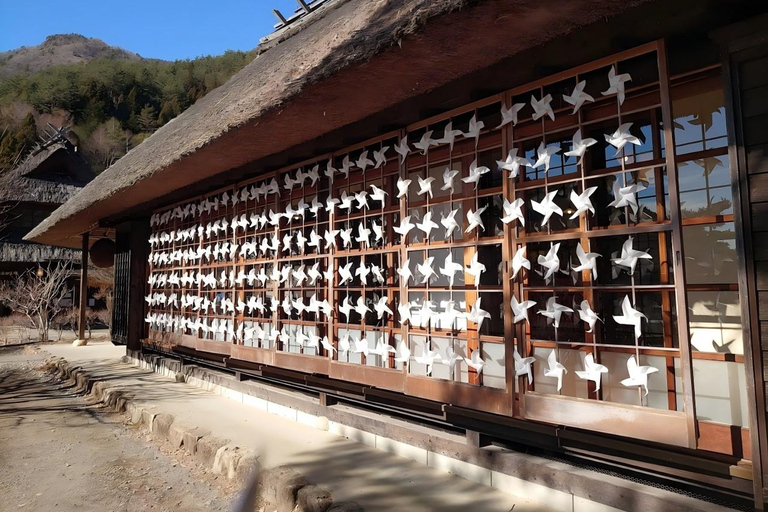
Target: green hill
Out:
[112,101]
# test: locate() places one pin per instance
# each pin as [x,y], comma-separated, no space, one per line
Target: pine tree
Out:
[147,119]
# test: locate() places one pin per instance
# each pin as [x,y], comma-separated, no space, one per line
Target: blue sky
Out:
[164,29]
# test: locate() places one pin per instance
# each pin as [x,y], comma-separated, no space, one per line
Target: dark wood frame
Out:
[528,405]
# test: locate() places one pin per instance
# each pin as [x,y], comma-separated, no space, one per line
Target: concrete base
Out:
[556,486]
[392,464]
[79,343]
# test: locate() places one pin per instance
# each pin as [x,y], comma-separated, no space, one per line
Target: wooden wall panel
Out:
[757,159]
[758,188]
[746,62]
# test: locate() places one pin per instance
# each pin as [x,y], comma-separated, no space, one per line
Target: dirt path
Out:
[57,452]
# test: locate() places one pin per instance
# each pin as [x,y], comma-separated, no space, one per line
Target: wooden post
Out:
[83,288]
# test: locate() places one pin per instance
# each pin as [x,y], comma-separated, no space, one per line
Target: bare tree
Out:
[7,216]
[38,295]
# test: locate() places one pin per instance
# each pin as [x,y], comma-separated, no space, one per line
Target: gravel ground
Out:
[57,452]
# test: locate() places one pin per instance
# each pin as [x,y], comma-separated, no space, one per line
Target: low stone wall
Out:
[280,489]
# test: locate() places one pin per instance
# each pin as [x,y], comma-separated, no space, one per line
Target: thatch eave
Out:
[362,57]
[28,182]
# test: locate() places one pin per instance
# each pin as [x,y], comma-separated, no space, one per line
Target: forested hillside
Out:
[110,104]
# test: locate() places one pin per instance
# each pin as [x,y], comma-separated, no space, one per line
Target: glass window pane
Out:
[721,392]
[710,254]
[652,329]
[699,113]
[705,188]
[714,320]
[494,369]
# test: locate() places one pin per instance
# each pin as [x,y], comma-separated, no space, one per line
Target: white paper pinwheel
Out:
[361,308]
[403,354]
[346,237]
[428,358]
[402,187]
[449,222]
[475,220]
[315,240]
[346,165]
[513,210]
[523,366]
[382,349]
[425,185]
[360,346]
[346,201]
[544,155]
[330,203]
[451,267]
[475,126]
[362,199]
[330,237]
[475,362]
[449,175]
[345,343]
[427,224]
[378,195]
[587,261]
[582,202]
[450,314]
[475,173]
[363,162]
[555,370]
[509,115]
[362,273]
[520,309]
[345,273]
[404,310]
[592,371]
[547,207]
[638,375]
[554,311]
[542,107]
[404,227]
[405,271]
[425,269]
[630,316]
[630,256]
[425,142]
[363,235]
[616,84]
[621,137]
[378,232]
[477,314]
[475,269]
[626,196]
[327,346]
[449,135]
[381,307]
[550,261]
[520,261]
[402,149]
[588,316]
[578,97]
[580,146]
[380,156]
[450,358]
[513,163]
[346,308]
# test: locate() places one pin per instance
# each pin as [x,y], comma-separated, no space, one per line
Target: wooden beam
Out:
[304,6]
[83,287]
[279,17]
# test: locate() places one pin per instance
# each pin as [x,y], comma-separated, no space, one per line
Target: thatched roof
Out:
[52,175]
[35,253]
[349,60]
